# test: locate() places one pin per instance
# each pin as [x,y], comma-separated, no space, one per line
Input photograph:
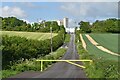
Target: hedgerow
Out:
[15,48]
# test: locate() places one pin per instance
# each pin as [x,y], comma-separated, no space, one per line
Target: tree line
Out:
[105,26]
[14,24]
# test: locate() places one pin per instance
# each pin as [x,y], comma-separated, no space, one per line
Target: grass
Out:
[8,73]
[109,41]
[32,65]
[67,38]
[29,35]
[92,50]
[104,66]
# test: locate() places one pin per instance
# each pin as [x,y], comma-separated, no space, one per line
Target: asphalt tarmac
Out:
[60,69]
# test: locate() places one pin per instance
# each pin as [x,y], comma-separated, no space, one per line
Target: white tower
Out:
[65,22]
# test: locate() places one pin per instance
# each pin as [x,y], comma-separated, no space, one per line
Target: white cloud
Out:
[12,11]
[32,5]
[91,10]
[73,23]
[28,4]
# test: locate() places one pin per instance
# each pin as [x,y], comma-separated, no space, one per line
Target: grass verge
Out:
[101,67]
[31,64]
[67,38]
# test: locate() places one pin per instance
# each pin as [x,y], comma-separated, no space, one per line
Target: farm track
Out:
[99,46]
[60,69]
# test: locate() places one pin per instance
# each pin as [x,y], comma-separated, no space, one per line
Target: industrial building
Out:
[63,22]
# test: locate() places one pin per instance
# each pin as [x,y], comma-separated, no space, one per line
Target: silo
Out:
[65,22]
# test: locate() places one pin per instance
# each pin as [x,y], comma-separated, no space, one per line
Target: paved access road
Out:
[61,69]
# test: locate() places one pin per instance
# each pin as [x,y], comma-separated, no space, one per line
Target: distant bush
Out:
[15,24]
[110,25]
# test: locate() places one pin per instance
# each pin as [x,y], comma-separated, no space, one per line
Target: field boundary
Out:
[29,35]
[99,46]
[83,42]
[68,61]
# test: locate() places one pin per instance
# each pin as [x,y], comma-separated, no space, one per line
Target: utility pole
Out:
[44,23]
[38,23]
[51,38]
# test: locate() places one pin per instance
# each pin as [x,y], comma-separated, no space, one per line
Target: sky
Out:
[75,11]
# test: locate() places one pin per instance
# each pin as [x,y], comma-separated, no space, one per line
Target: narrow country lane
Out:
[61,69]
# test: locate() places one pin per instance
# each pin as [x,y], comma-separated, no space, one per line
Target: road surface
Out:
[60,69]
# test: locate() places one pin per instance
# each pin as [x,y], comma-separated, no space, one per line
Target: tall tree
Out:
[85,27]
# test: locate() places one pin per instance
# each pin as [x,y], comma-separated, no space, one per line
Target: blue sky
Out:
[77,11]
[35,10]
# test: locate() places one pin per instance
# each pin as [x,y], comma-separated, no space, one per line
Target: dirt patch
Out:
[83,42]
[100,47]
[91,40]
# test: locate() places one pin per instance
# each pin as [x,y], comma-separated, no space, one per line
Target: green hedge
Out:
[15,48]
[32,64]
[67,38]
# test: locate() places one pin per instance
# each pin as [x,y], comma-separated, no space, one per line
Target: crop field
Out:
[29,35]
[107,40]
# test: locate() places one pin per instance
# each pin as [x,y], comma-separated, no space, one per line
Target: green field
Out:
[29,35]
[92,50]
[109,41]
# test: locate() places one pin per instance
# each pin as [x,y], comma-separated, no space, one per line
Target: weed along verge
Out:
[32,65]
